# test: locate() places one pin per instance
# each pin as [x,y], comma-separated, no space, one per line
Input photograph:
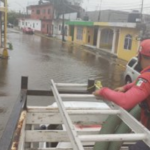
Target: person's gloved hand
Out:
[119,89]
[96,93]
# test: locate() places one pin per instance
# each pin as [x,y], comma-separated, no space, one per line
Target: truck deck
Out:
[66,125]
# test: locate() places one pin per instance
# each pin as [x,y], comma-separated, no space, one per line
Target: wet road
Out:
[42,59]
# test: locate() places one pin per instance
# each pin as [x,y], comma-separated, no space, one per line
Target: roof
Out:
[80,23]
[45,4]
[116,24]
[106,15]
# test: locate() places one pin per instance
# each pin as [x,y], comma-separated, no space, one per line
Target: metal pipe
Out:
[77,96]
[76,143]
[112,137]
[71,84]
[142,3]
[94,112]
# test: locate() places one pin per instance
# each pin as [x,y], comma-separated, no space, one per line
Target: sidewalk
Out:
[100,50]
[106,53]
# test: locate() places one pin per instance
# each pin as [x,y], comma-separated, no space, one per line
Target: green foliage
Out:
[13,17]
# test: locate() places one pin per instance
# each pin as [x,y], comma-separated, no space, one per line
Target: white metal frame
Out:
[69,117]
[141,133]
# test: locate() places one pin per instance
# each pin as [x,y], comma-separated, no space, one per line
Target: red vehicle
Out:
[27,30]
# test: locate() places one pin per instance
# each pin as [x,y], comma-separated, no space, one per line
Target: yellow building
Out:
[3,27]
[81,32]
[118,38]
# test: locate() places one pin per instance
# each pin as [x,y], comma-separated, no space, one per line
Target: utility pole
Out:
[63,21]
[142,3]
[142,23]
[5,51]
[99,15]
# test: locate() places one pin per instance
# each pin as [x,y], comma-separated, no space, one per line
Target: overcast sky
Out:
[89,5]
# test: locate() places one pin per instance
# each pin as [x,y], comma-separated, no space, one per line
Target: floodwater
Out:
[42,59]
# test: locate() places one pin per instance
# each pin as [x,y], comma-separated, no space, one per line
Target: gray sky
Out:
[125,5]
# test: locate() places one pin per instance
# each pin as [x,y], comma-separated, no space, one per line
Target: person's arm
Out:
[126,100]
[128,86]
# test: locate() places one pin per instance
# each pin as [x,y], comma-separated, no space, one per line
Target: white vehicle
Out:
[132,70]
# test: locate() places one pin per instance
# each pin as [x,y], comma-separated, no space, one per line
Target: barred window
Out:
[128,42]
[38,11]
[79,33]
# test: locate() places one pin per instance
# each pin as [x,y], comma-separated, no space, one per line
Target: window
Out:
[65,30]
[49,10]
[79,33]
[138,67]
[38,12]
[128,42]
[22,23]
[33,25]
[59,27]
[43,11]
[89,39]
[132,62]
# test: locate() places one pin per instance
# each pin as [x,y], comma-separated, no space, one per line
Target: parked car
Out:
[132,71]
[10,25]
[27,30]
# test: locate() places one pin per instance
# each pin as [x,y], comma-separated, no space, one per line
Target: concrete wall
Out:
[46,27]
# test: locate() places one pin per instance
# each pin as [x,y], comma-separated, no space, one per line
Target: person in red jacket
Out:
[134,93]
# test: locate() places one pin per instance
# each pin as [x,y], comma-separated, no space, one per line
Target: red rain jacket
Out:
[136,93]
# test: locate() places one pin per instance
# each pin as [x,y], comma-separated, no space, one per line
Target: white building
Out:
[33,24]
[57,25]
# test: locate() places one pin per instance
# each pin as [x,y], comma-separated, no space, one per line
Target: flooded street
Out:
[42,59]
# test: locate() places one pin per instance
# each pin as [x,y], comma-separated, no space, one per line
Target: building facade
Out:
[119,39]
[57,25]
[81,32]
[34,24]
[41,13]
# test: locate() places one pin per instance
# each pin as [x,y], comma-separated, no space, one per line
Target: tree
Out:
[13,17]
